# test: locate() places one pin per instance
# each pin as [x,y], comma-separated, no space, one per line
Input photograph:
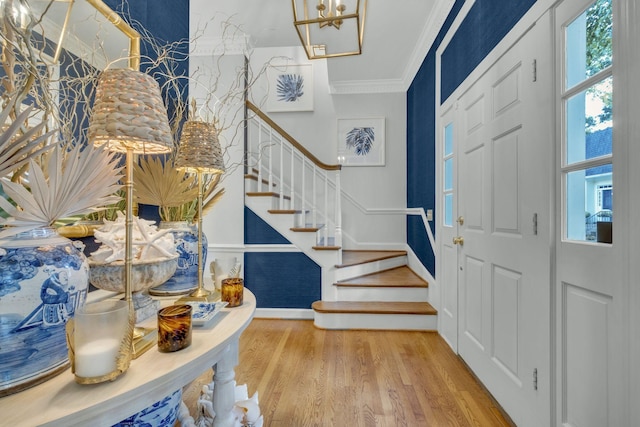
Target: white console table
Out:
[154,375]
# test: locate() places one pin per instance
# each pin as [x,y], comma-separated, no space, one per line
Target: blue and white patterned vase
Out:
[185,279]
[44,278]
[163,413]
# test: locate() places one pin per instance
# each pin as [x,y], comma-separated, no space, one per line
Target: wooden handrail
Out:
[291,139]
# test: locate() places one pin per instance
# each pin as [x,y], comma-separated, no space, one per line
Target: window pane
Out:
[589,203]
[448,174]
[448,140]
[589,122]
[589,47]
[448,209]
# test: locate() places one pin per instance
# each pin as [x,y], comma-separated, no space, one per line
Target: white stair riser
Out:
[382,294]
[252,186]
[283,224]
[414,322]
[352,271]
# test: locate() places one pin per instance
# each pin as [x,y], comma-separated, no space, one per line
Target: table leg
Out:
[224,387]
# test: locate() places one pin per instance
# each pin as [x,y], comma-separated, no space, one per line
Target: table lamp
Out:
[200,152]
[129,116]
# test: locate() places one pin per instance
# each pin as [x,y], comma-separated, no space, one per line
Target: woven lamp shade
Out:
[128,112]
[199,149]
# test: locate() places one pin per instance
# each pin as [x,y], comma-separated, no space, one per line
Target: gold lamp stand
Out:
[129,117]
[200,152]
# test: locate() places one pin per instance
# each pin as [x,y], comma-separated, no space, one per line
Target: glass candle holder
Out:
[98,338]
[174,328]
[231,291]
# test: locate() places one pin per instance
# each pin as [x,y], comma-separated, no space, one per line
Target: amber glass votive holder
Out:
[174,328]
[232,289]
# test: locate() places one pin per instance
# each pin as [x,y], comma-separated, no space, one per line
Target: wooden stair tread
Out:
[266,194]
[284,211]
[326,248]
[355,257]
[304,229]
[374,307]
[255,178]
[400,277]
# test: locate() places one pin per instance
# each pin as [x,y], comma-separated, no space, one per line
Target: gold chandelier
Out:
[330,28]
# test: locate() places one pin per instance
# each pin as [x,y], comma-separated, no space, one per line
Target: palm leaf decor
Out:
[16,148]
[79,181]
[361,139]
[160,184]
[210,196]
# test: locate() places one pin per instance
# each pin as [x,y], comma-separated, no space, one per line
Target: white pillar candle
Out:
[96,358]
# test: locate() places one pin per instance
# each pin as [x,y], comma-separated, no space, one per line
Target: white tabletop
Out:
[151,377]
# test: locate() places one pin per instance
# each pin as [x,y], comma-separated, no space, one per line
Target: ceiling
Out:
[397,37]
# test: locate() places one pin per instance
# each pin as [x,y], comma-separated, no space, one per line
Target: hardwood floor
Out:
[312,377]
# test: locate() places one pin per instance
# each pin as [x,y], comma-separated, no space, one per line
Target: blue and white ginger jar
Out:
[185,279]
[44,278]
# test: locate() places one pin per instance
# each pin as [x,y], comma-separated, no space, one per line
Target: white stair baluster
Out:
[292,183]
[259,163]
[314,196]
[303,192]
[281,177]
[270,171]
[326,209]
[338,218]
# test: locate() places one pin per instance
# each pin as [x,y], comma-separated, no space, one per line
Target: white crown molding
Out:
[207,46]
[429,33]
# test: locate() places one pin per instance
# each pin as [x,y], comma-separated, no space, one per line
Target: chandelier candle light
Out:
[200,152]
[129,116]
[330,28]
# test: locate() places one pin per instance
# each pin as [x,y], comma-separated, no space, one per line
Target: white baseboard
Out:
[284,313]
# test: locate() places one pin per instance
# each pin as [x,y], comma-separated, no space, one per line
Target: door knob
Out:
[458,240]
[460,220]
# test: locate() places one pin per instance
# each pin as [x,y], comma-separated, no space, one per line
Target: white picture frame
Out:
[290,88]
[361,142]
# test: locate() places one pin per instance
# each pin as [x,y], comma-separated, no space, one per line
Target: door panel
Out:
[504,194]
[447,261]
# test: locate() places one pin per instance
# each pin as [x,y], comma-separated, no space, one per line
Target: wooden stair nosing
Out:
[255,178]
[266,194]
[374,307]
[284,211]
[326,248]
[354,257]
[304,229]
[395,277]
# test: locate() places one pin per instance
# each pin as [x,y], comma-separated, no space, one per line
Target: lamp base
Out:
[200,295]
[143,340]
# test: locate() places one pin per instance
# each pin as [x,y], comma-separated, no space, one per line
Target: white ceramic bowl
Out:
[144,274]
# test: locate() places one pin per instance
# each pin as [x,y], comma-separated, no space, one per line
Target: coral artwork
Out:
[361,140]
[290,87]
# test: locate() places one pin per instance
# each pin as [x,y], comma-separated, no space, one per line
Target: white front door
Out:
[504,151]
[448,228]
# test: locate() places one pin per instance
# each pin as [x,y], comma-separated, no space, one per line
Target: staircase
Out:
[361,289]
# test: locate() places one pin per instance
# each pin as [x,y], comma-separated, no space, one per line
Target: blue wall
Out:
[487,22]
[258,232]
[282,280]
[278,279]
[168,22]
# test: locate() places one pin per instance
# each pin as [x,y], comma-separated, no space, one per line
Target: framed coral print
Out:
[290,88]
[361,142]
